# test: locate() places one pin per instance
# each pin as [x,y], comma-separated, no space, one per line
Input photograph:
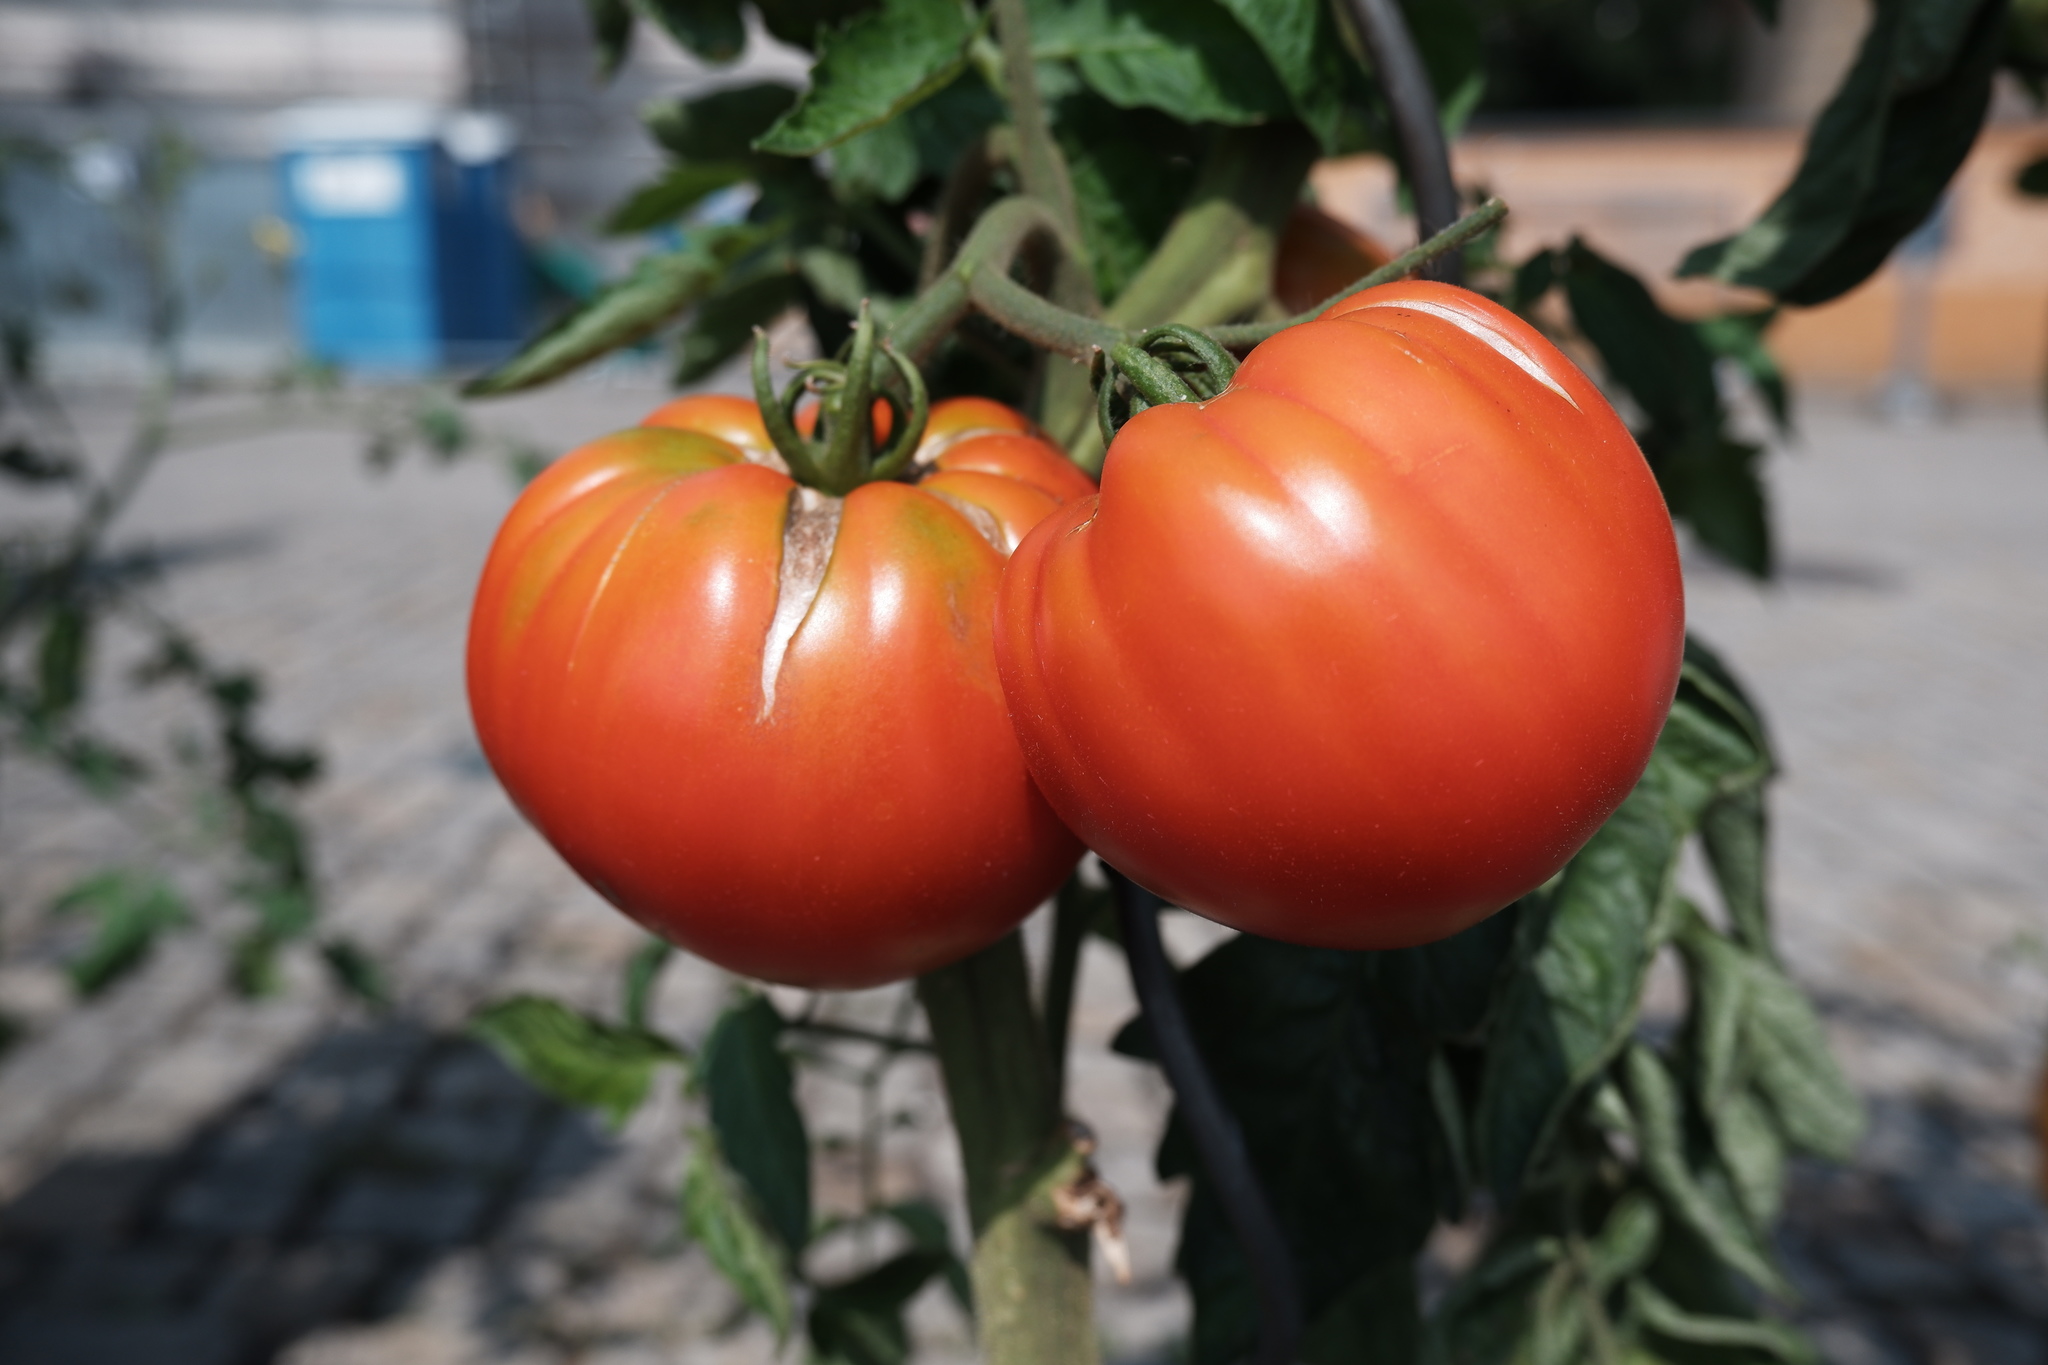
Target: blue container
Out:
[407,257]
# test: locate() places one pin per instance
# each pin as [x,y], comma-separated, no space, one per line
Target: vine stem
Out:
[1217,1137]
[1424,155]
[979,280]
[1034,1301]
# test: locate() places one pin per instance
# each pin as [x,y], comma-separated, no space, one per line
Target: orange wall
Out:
[1645,197]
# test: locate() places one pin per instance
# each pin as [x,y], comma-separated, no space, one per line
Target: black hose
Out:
[1218,1140]
[1405,82]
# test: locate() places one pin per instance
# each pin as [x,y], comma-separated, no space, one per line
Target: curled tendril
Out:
[1170,364]
[840,453]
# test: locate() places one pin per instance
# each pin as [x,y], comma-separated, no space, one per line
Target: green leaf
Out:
[1186,58]
[747,1079]
[1878,157]
[1709,479]
[1132,170]
[725,322]
[660,202]
[872,70]
[611,25]
[356,972]
[1817,1109]
[860,1322]
[928,1232]
[1740,337]
[719,1217]
[1486,1311]
[130,909]
[798,22]
[61,660]
[658,289]
[1666,1318]
[1660,1119]
[720,126]
[1306,53]
[577,1059]
[1626,1242]
[643,969]
[1597,930]
[712,29]
[2033,177]
[888,160]
[1746,1138]
[1734,830]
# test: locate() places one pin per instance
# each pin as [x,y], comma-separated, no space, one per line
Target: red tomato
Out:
[1364,648]
[762,721]
[1317,255]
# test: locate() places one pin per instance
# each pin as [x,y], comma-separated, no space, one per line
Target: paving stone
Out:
[50,1339]
[434,1211]
[1952,1338]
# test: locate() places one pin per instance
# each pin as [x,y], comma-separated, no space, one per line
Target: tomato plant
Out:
[1363,649]
[762,720]
[1408,571]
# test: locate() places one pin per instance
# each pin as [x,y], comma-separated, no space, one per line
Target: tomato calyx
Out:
[842,452]
[1170,364]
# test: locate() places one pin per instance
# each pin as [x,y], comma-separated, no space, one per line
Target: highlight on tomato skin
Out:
[764,722]
[1363,649]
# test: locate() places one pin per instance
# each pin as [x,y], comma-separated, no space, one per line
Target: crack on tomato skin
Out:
[980,518]
[809,534]
[604,580]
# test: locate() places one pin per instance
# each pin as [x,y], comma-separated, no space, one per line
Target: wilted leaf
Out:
[1666,1318]
[1793,1069]
[719,1217]
[130,909]
[1566,1017]
[1660,1118]
[872,70]
[747,1080]
[577,1059]
[2033,177]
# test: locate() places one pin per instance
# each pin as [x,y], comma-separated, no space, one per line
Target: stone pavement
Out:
[189,1177]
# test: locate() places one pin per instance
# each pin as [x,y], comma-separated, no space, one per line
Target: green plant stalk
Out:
[1215,262]
[1033,1301]
[1040,164]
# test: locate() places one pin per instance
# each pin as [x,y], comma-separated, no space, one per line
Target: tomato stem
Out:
[1474,224]
[1218,1139]
[840,455]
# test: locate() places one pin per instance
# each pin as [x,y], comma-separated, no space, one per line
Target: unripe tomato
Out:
[1364,648]
[763,721]
[1317,255]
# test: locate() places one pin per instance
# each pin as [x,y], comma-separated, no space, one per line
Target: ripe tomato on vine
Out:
[1364,648]
[764,720]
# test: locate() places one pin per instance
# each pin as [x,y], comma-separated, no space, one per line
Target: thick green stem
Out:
[1215,262]
[980,277]
[1040,164]
[1033,1302]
